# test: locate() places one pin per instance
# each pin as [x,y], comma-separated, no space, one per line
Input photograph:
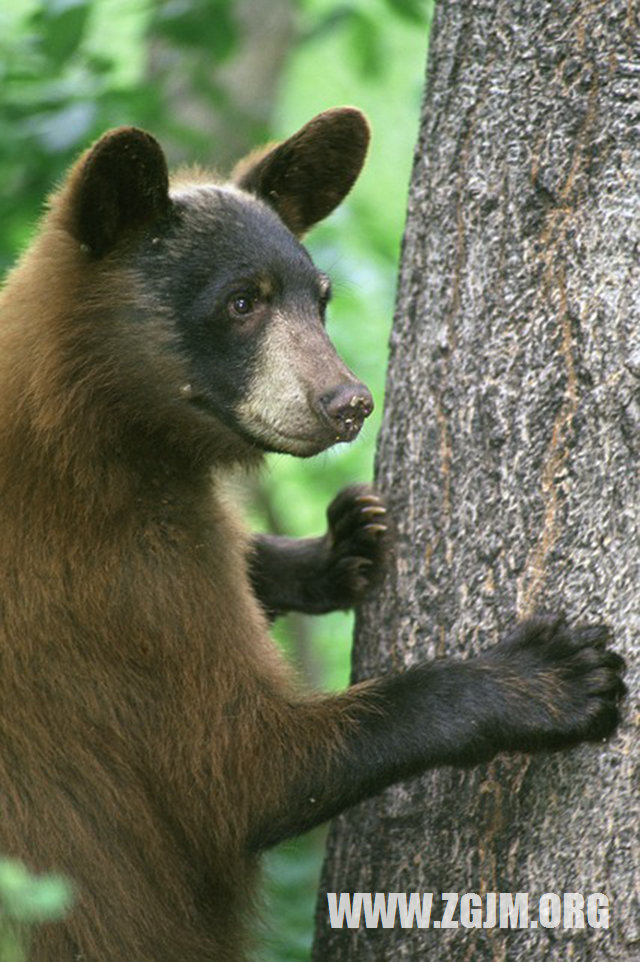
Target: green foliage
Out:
[202,24]
[414,10]
[366,26]
[292,873]
[60,25]
[25,900]
[60,89]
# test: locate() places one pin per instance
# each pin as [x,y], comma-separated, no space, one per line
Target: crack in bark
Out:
[531,583]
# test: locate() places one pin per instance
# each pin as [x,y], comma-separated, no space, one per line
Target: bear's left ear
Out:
[121,183]
[306,176]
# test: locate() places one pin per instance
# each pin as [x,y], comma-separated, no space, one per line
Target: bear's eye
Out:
[241,304]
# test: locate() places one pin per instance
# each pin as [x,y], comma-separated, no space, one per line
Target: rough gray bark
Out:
[509,455]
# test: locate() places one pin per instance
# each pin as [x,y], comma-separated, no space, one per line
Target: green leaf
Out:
[28,898]
[63,28]
[413,10]
[207,25]
[365,35]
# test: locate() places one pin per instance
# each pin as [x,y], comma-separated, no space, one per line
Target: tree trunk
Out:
[509,457]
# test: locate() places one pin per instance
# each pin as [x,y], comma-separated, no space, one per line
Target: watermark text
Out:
[452,910]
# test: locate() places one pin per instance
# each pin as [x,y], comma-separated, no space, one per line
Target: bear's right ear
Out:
[121,183]
[305,177]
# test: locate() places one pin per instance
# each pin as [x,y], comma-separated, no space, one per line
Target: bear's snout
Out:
[346,407]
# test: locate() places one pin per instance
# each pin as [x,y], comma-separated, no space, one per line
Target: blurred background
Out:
[211,79]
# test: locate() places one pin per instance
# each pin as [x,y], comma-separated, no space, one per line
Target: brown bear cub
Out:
[152,742]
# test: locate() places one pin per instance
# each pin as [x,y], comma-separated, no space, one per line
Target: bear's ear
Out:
[306,176]
[121,183]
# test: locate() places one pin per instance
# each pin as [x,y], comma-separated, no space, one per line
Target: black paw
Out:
[564,683]
[356,542]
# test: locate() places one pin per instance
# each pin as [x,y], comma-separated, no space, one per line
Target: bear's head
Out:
[220,271]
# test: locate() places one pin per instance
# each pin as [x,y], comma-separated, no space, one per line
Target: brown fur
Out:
[148,724]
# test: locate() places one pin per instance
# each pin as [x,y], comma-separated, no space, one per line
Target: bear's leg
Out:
[316,575]
[545,687]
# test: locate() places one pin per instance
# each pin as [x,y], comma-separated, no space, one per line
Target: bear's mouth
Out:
[302,443]
[258,430]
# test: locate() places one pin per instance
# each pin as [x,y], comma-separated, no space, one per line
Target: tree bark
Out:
[509,457]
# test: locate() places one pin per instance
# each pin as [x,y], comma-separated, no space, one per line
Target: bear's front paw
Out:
[565,684]
[356,542]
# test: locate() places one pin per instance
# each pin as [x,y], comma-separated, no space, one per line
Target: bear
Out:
[153,743]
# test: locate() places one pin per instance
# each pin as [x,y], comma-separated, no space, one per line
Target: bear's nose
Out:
[346,407]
